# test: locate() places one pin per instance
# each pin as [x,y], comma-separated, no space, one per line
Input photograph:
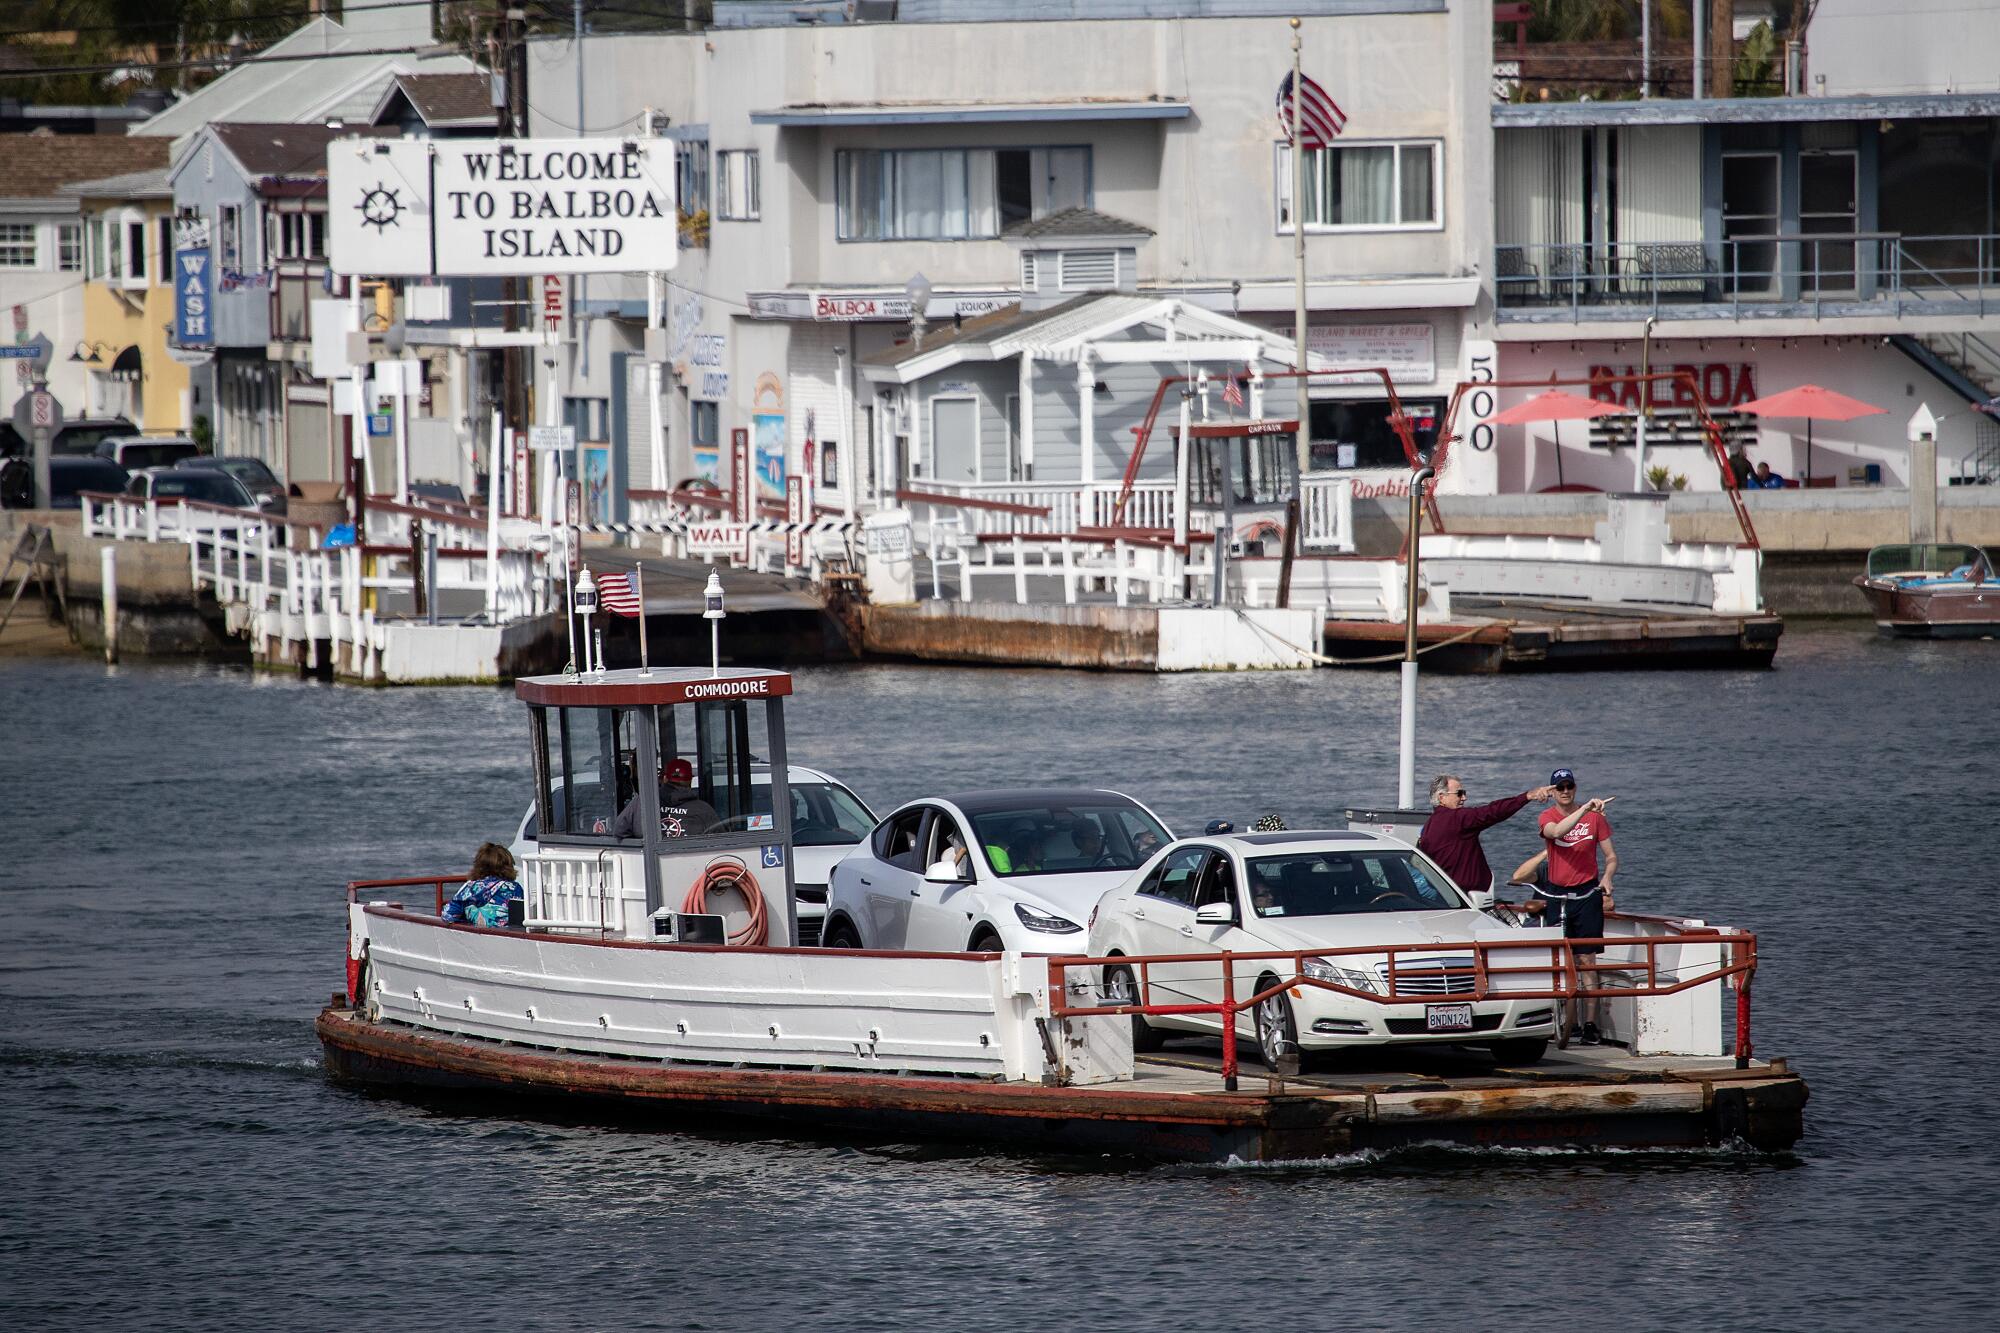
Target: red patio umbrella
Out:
[1556,406]
[1811,403]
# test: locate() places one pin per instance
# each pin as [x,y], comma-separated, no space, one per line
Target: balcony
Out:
[1747,277]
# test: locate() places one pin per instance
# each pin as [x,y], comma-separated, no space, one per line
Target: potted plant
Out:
[1659,477]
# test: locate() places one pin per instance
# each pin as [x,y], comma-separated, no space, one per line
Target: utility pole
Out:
[512,66]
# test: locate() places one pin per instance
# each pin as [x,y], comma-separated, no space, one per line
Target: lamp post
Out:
[1645,400]
[713,614]
[918,289]
[1406,767]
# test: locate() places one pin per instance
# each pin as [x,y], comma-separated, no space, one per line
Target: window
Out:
[954,194]
[1175,877]
[135,251]
[1088,270]
[17,245]
[229,227]
[691,175]
[69,247]
[704,424]
[1347,883]
[1363,186]
[737,187]
[1357,432]
[299,236]
[1028,258]
[166,234]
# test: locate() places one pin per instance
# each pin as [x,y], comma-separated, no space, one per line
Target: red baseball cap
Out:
[678,770]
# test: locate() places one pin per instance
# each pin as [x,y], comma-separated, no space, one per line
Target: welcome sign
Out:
[499,207]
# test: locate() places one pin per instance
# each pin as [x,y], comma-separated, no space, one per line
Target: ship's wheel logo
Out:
[380,208]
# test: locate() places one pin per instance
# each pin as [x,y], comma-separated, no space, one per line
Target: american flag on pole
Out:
[614,594]
[1232,392]
[1320,118]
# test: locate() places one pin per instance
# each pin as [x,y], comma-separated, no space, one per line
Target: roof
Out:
[984,328]
[1008,798]
[1075,222]
[814,116]
[661,685]
[39,165]
[1284,837]
[148,184]
[1745,110]
[789,13]
[285,149]
[445,101]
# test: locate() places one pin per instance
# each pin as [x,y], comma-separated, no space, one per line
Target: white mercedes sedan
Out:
[1300,891]
[989,871]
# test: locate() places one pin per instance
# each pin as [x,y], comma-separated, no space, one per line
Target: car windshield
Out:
[215,490]
[1067,839]
[1348,883]
[824,814]
[163,454]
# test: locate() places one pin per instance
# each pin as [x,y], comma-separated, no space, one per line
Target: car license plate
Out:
[1448,1018]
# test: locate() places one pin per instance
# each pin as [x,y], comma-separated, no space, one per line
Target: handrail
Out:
[1565,971]
[914,496]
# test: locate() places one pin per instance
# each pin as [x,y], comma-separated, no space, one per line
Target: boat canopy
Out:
[1921,558]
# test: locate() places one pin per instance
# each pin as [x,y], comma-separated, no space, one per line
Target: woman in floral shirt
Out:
[482,900]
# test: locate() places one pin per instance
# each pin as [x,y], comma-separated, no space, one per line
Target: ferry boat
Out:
[662,974]
[1932,591]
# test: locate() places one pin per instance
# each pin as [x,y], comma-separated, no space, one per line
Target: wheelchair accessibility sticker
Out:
[774,856]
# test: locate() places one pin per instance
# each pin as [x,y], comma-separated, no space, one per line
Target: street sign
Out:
[37,350]
[380,423]
[37,410]
[18,352]
[551,439]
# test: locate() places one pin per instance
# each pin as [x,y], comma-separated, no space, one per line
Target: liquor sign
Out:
[500,207]
[194,307]
[846,309]
[553,303]
[1407,351]
[740,482]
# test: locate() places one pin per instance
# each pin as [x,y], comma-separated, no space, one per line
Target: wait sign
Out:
[719,537]
[499,207]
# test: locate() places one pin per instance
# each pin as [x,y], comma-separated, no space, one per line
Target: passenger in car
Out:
[486,898]
[1089,842]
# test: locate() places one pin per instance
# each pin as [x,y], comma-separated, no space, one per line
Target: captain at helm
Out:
[682,812]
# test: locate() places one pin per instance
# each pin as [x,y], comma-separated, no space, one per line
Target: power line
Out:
[221,22]
[50,71]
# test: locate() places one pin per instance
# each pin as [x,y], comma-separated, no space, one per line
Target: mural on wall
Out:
[767,426]
[597,483]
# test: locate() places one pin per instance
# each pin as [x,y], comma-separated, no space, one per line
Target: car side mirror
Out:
[1215,914]
[948,871]
[1483,900]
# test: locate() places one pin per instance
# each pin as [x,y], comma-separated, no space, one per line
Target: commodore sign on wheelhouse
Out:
[493,207]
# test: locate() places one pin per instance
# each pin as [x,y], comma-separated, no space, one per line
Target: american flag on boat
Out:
[1232,392]
[1320,118]
[614,594]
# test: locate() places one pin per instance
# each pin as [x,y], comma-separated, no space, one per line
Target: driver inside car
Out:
[682,813]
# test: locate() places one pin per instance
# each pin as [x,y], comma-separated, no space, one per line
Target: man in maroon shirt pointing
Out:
[1451,834]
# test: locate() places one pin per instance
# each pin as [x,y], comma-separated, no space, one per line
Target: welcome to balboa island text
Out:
[595,212]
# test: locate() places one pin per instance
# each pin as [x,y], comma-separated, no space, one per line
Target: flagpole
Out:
[639,582]
[1303,438]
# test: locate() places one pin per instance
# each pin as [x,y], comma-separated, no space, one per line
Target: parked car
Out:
[259,480]
[69,476]
[1309,891]
[203,484]
[987,871]
[828,822]
[133,452]
[72,437]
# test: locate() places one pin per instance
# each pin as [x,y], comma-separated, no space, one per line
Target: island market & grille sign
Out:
[495,207]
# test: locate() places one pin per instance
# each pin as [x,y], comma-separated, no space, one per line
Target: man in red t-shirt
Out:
[1578,893]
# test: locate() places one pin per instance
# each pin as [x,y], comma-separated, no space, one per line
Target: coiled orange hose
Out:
[729,872]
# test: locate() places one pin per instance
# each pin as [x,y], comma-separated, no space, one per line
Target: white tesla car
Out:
[989,871]
[828,821]
[1259,892]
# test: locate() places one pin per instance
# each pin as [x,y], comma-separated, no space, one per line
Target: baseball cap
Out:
[1216,826]
[678,770]
[1562,775]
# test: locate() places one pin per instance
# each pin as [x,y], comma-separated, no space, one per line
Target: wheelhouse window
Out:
[592,771]
[1347,884]
[1364,186]
[738,189]
[954,194]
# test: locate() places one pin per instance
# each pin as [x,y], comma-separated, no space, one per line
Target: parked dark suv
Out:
[68,475]
[74,437]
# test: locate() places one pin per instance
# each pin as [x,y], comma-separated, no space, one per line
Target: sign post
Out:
[37,414]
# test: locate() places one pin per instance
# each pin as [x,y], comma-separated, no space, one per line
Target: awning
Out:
[128,365]
[807,117]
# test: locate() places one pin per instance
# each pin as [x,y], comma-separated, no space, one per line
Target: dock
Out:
[1501,635]
[1174,1109]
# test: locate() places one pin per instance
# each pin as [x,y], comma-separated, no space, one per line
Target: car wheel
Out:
[1520,1050]
[1121,987]
[987,940]
[1277,1027]
[840,936]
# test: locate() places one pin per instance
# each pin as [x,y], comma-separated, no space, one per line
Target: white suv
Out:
[989,871]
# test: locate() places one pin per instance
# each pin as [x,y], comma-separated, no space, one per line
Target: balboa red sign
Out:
[1722,386]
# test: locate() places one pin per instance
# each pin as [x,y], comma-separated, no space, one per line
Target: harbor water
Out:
[172,1156]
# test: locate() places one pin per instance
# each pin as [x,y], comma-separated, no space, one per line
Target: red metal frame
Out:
[1143,432]
[1710,428]
[1566,973]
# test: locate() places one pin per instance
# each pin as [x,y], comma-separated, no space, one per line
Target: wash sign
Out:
[194,303]
[500,207]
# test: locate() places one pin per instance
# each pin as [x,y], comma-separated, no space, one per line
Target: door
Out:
[954,440]
[1827,191]
[938,919]
[1163,921]
[1218,885]
[1750,210]
[890,881]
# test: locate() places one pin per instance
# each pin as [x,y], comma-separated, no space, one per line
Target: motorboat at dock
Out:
[1932,591]
[659,974]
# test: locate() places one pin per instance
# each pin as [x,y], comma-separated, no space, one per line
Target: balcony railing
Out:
[1744,277]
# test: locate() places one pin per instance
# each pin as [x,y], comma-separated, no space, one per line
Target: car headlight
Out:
[1048,925]
[1321,970]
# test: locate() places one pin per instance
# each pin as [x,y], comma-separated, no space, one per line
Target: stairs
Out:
[1971,367]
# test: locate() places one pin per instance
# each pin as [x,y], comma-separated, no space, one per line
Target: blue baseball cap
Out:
[1560,776]
[1216,826]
